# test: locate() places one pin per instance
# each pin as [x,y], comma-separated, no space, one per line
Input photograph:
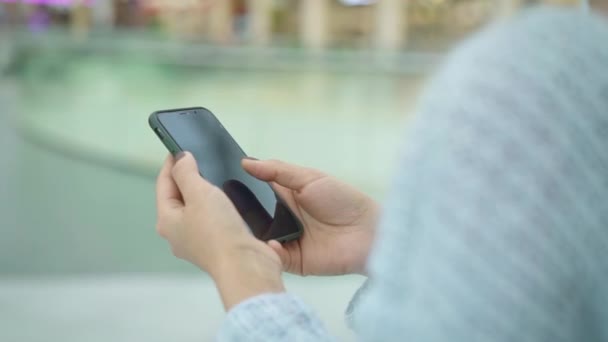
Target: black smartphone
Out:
[218,156]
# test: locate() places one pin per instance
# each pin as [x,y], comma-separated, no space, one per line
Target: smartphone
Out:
[218,156]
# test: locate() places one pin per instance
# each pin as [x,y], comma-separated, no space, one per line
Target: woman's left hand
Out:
[203,227]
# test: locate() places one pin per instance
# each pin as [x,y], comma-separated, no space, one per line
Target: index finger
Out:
[168,196]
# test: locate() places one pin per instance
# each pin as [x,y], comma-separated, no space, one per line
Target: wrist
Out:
[247,270]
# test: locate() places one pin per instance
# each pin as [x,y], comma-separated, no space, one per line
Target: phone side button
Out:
[159,134]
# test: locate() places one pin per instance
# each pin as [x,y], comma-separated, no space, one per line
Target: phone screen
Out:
[219,157]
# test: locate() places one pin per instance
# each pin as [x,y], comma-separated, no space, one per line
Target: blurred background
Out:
[324,83]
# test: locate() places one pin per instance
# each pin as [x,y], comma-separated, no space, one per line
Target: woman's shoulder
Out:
[534,35]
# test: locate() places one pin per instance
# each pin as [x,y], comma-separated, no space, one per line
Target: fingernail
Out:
[251,158]
[180,155]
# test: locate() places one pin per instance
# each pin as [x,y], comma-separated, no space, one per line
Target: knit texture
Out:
[496,228]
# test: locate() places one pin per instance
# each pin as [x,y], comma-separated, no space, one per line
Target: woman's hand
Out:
[203,227]
[339,221]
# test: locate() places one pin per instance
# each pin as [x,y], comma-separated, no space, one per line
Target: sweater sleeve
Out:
[270,318]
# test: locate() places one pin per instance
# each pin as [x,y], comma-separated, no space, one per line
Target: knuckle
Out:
[176,253]
[164,223]
[160,230]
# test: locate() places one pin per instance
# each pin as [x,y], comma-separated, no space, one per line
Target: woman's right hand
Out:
[339,221]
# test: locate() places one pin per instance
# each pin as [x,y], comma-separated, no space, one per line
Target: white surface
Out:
[142,307]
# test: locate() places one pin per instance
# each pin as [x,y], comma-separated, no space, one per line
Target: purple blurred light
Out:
[49,2]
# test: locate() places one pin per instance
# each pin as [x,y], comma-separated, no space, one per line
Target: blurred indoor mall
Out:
[324,83]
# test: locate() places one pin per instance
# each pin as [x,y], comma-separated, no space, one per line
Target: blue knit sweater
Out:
[497,225]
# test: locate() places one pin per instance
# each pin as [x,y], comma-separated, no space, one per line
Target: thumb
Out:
[187,177]
[291,176]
